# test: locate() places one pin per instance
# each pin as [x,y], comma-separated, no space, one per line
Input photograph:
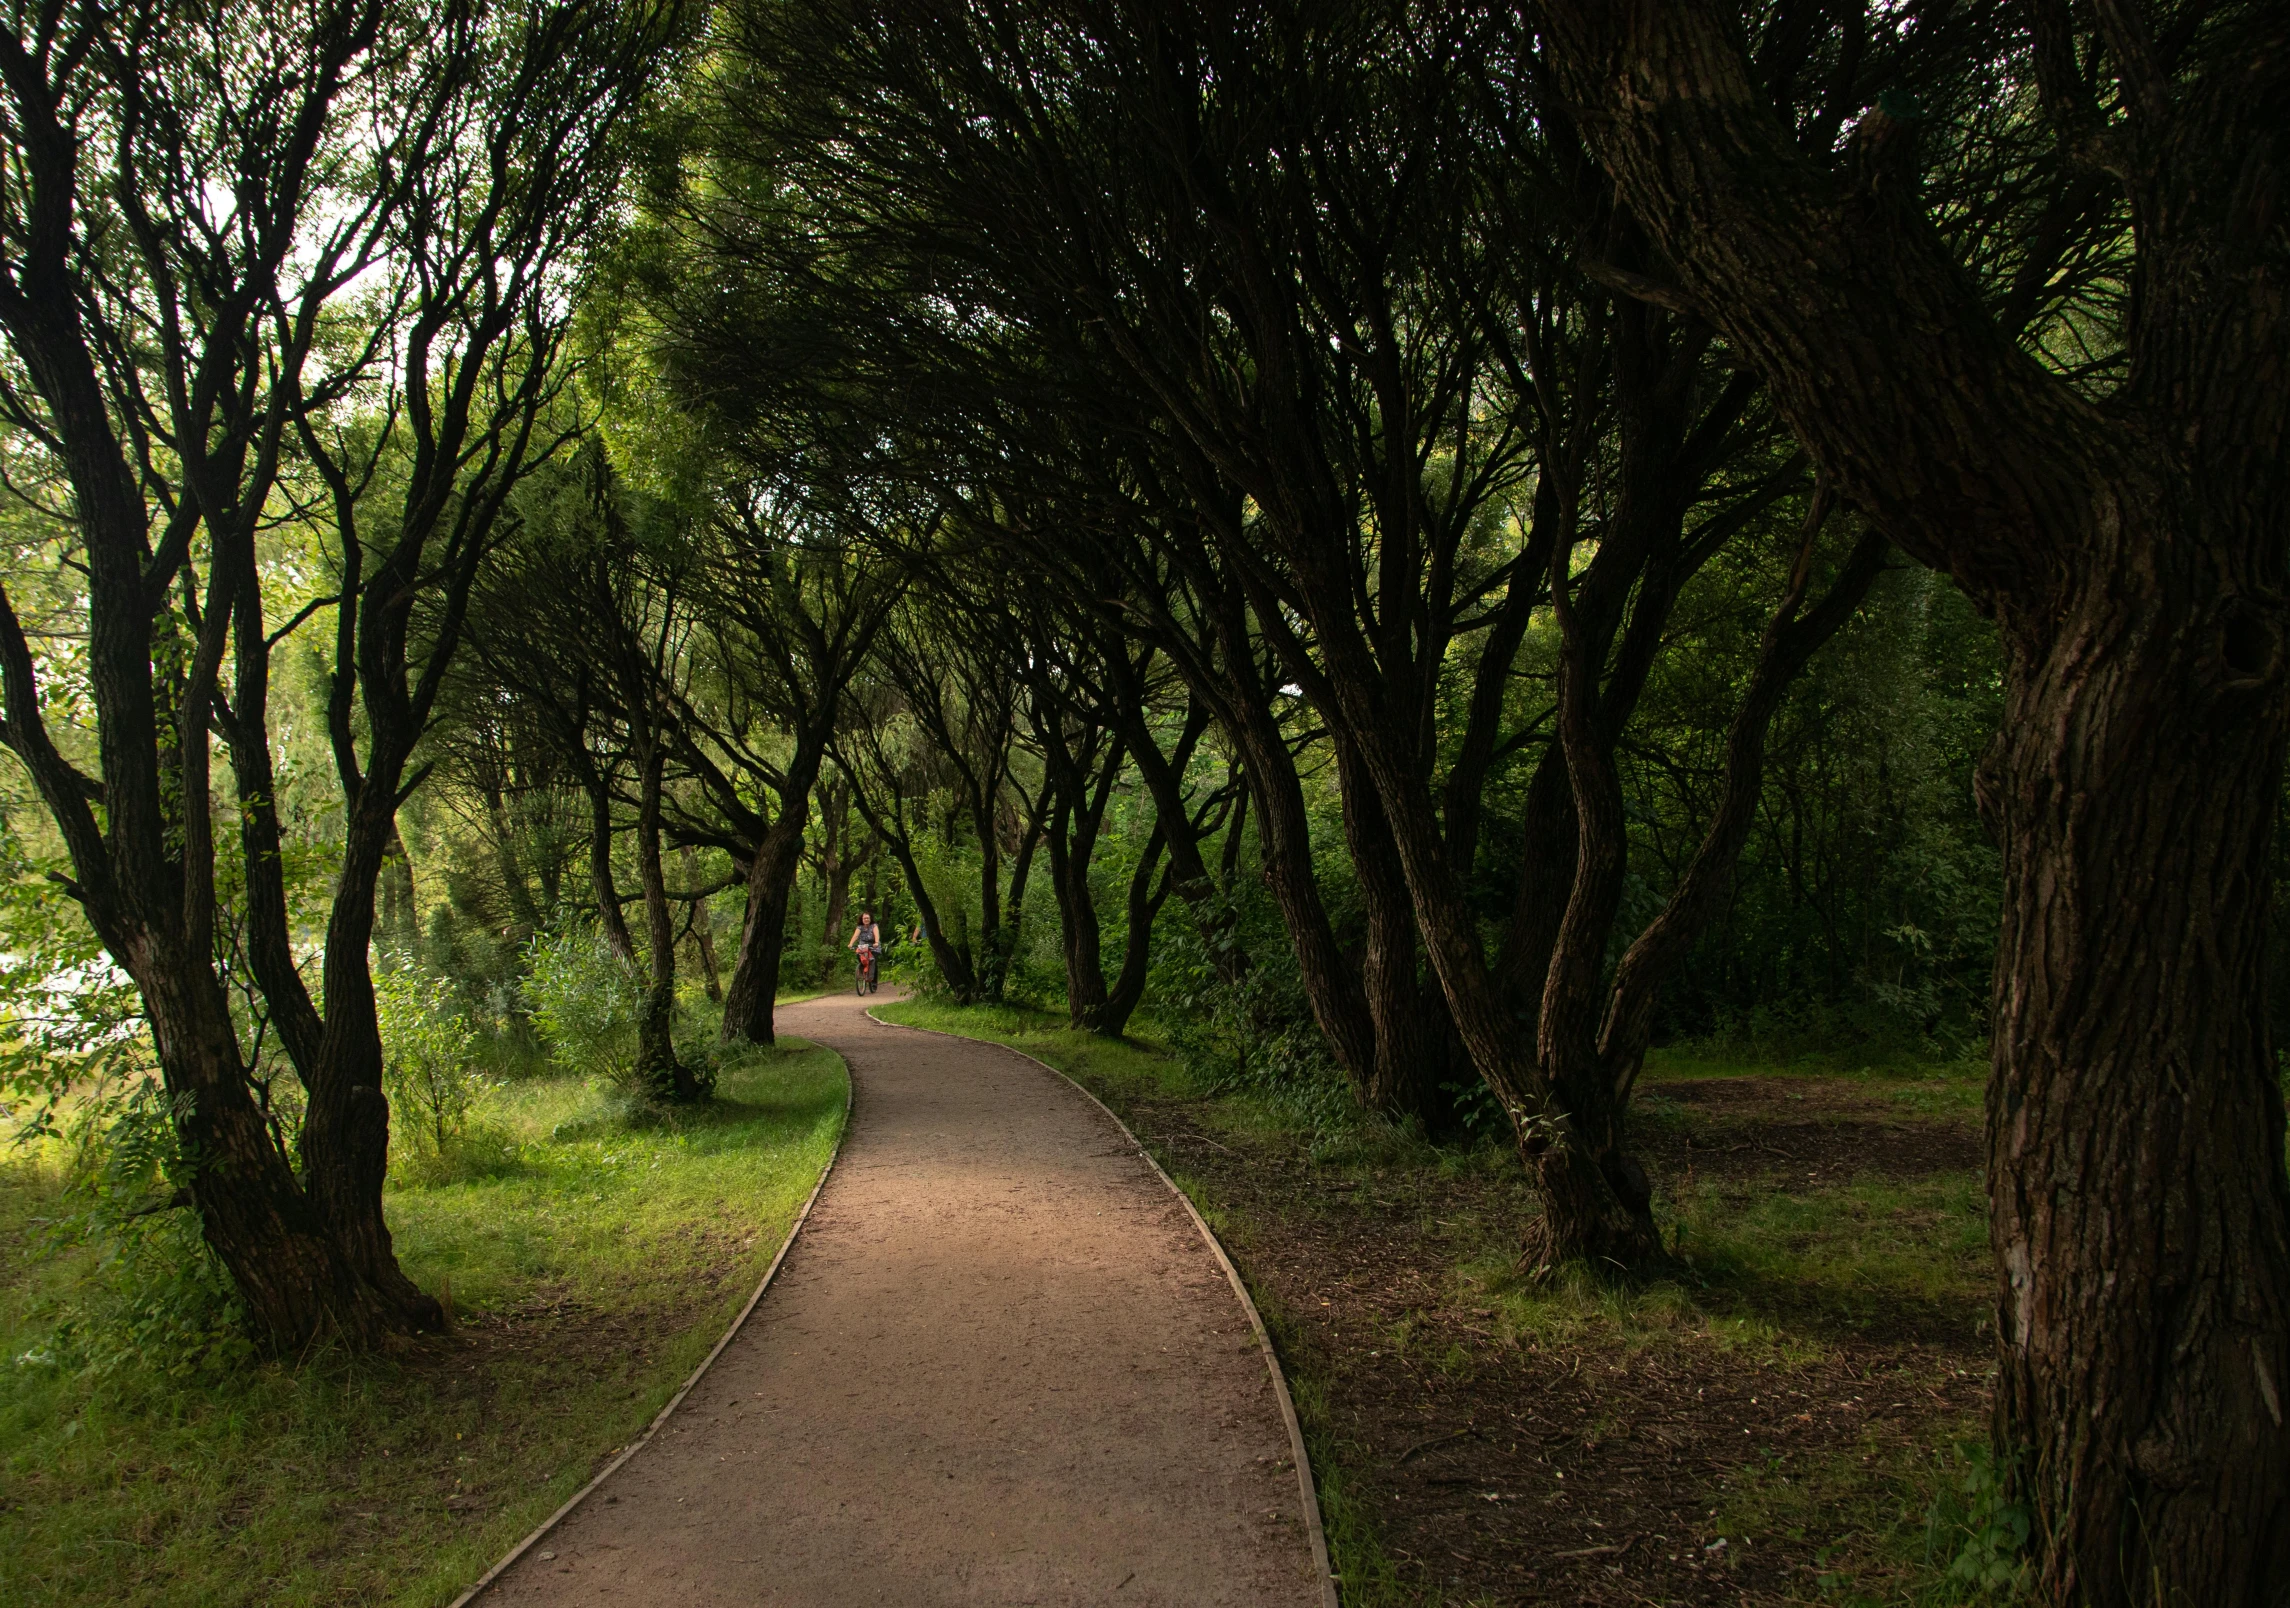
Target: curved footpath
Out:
[999,1365]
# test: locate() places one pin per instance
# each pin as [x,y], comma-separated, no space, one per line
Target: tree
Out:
[1253,245]
[196,210]
[2126,530]
[799,594]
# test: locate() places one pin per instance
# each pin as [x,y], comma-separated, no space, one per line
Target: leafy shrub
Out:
[428,1055]
[1253,1032]
[585,1002]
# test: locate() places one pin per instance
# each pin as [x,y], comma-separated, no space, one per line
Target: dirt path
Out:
[999,1366]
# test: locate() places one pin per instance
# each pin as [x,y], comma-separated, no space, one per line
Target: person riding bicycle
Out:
[867,943]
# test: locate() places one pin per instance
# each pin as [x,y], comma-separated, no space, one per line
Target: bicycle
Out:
[868,976]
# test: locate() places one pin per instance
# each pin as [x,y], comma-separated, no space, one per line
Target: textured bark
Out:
[284,1256]
[2132,554]
[2135,1125]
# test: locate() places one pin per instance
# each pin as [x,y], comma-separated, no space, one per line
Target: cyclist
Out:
[867,943]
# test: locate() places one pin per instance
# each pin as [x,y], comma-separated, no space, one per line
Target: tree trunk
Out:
[287,1263]
[2137,1204]
[1410,1025]
[754,985]
[346,1128]
[1143,905]
[601,887]
[703,930]
[1284,837]
[2131,552]
[1021,875]
[1070,849]
[663,1075]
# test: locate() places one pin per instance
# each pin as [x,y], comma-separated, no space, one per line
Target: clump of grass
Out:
[1573,1307]
[1843,1254]
[1931,1530]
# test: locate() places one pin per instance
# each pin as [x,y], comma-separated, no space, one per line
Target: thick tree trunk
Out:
[285,1258]
[754,985]
[2131,552]
[2135,1123]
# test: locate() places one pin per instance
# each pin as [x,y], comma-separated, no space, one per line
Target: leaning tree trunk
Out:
[2131,551]
[1284,839]
[601,886]
[1409,1021]
[2135,1121]
[1146,896]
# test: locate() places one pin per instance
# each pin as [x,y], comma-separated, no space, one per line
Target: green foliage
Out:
[585,1002]
[428,1056]
[590,1282]
[1977,1529]
[1254,1031]
[156,1300]
[69,1018]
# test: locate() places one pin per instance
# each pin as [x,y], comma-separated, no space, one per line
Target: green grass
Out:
[1909,1078]
[593,1266]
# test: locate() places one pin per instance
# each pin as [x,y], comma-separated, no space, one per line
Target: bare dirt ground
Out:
[999,1366]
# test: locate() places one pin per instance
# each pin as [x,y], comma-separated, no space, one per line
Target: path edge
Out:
[850,1103]
[1307,1486]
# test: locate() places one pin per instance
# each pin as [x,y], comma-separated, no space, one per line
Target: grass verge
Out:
[591,1267]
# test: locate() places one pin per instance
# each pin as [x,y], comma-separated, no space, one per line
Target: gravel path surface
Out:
[999,1366]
